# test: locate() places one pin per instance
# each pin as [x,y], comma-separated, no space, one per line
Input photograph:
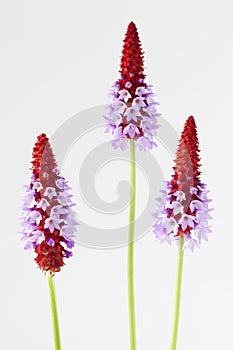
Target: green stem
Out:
[132,328]
[178,293]
[56,332]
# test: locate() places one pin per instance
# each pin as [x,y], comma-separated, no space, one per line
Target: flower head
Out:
[132,106]
[186,209]
[47,209]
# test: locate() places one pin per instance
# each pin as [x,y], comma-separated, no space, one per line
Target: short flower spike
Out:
[186,209]
[132,112]
[48,218]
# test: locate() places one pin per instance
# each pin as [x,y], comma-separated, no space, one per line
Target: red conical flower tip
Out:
[187,160]
[48,218]
[132,61]
[43,159]
[190,139]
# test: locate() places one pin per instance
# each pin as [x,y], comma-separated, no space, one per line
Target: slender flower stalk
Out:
[185,208]
[132,326]
[56,330]
[48,219]
[178,293]
[132,120]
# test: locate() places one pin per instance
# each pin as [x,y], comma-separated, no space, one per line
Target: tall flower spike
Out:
[132,112]
[48,218]
[186,204]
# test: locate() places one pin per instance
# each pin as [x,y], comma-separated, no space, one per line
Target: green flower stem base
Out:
[178,293]
[132,328]
[56,331]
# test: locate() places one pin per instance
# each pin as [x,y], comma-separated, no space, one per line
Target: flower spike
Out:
[186,204]
[48,218]
[132,112]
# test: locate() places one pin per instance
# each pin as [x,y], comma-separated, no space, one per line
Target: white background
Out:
[59,58]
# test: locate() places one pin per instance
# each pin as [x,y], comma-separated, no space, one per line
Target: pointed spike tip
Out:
[191,119]
[132,25]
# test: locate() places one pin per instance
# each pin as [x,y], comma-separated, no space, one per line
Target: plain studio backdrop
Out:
[59,58]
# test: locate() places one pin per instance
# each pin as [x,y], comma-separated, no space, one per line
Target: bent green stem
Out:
[178,293]
[132,328]
[56,331]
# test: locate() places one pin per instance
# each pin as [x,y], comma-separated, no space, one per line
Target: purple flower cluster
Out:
[176,217]
[48,215]
[132,118]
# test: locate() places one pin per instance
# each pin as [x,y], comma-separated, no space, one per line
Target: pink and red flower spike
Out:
[185,205]
[48,218]
[132,112]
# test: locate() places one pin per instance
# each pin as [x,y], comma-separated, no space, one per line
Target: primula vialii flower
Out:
[186,210]
[48,219]
[132,112]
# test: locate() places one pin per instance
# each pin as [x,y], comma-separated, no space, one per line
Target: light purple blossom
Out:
[203,216]
[115,116]
[36,236]
[186,220]
[180,196]
[35,216]
[193,190]
[30,246]
[172,225]
[203,195]
[37,186]
[196,204]
[144,143]
[58,210]
[68,230]
[163,237]
[201,232]
[52,223]
[29,200]
[152,110]
[118,107]
[149,126]
[138,102]
[140,91]
[177,207]
[131,130]
[124,95]
[121,143]
[64,198]
[61,183]
[50,192]
[190,243]
[43,204]
[132,113]
[110,125]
